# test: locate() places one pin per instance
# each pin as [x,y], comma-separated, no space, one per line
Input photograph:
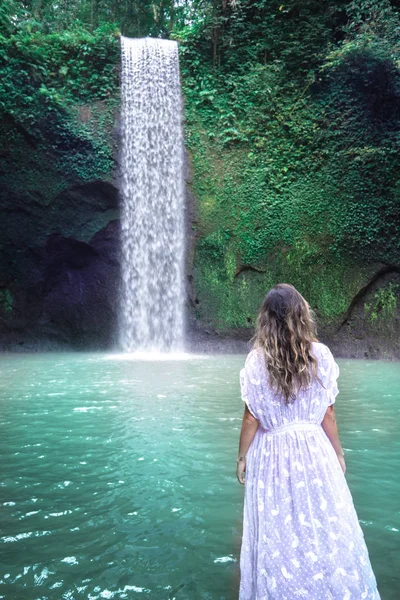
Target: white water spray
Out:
[152,220]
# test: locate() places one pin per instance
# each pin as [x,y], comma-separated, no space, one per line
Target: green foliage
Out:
[292,119]
[57,74]
[383,304]
[57,69]
[135,18]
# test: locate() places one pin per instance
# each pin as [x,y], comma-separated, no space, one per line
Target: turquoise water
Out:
[118,475]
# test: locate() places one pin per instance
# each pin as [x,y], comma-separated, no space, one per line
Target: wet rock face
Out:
[59,272]
[371,327]
[79,302]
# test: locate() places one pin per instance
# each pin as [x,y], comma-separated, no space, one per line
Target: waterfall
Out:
[152,220]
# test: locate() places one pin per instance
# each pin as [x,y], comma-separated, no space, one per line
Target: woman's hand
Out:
[240,469]
[342,462]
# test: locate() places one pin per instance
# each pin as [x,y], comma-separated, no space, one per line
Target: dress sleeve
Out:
[249,386]
[330,374]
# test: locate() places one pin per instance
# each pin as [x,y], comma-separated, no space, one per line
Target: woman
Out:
[301,536]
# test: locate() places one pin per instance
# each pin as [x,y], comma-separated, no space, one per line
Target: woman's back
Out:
[311,403]
[301,536]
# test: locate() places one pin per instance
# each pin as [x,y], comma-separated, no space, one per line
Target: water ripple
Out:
[129,489]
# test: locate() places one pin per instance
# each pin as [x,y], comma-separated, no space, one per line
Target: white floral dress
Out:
[301,536]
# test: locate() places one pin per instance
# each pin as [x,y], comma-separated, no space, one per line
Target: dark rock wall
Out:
[59,272]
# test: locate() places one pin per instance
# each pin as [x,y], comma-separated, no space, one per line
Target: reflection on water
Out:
[118,474]
[153,356]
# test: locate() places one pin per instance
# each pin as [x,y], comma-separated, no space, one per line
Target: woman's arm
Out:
[248,431]
[331,430]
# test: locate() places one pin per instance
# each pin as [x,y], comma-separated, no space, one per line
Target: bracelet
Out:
[241,459]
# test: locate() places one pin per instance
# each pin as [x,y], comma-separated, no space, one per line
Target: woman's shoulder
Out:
[253,357]
[320,347]
[319,350]
[322,352]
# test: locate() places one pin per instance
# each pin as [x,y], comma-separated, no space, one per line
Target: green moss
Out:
[264,238]
[229,301]
[382,306]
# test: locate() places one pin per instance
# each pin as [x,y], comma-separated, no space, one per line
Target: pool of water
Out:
[118,474]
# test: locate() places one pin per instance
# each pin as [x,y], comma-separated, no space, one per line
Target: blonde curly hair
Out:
[285,330]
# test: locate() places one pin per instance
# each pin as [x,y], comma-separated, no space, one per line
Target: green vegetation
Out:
[293,125]
[43,108]
[383,304]
[292,117]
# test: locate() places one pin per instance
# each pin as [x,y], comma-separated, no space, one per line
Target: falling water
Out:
[152,290]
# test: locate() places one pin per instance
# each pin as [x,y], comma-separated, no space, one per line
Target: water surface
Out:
[118,474]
